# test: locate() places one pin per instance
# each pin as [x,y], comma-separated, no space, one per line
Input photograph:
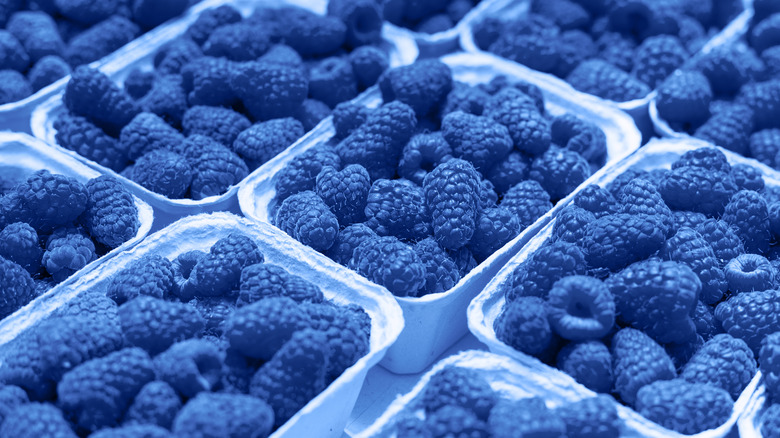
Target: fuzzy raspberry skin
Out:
[684,99]
[592,417]
[589,363]
[452,420]
[378,143]
[269,90]
[100,40]
[156,404]
[220,273]
[345,192]
[760,97]
[97,392]
[523,325]
[93,95]
[215,167]
[389,263]
[723,239]
[441,272]
[397,208]
[190,366]
[19,244]
[85,13]
[690,248]
[596,308]
[615,187]
[83,137]
[368,63]
[531,49]
[174,55]
[18,287]
[750,316]
[770,421]
[347,117]
[263,141]
[37,32]
[687,408]
[726,69]
[747,177]
[525,417]
[729,128]
[154,324]
[242,41]
[207,81]
[132,431]
[573,47]
[657,297]
[495,227]
[479,140]
[11,397]
[464,97]
[14,55]
[616,49]
[723,361]
[67,251]
[332,81]
[536,276]
[262,280]
[150,275]
[529,130]
[111,216]
[580,136]
[163,172]
[559,171]
[221,124]
[347,334]
[769,359]
[690,219]
[224,414]
[259,329]
[210,20]
[145,133]
[528,201]
[606,81]
[638,360]
[348,239]
[596,200]
[452,196]
[301,172]
[570,224]
[508,172]
[748,213]
[617,240]
[295,375]
[461,387]
[640,196]
[423,151]
[37,419]
[657,57]
[423,85]
[46,201]
[750,272]
[166,98]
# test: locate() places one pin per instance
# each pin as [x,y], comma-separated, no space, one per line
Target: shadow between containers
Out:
[487,306]
[436,321]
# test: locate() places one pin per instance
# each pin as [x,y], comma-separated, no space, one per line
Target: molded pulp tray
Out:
[15,116]
[749,424]
[325,415]
[21,155]
[400,48]
[638,108]
[486,307]
[511,379]
[436,321]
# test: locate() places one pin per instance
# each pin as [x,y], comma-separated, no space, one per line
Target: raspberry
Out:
[424,151]
[441,272]
[466,98]
[389,263]
[163,172]
[111,216]
[154,324]
[768,357]
[37,419]
[207,81]
[690,219]
[479,140]
[263,141]
[617,240]
[14,55]
[216,168]
[761,98]
[307,219]
[589,362]
[18,287]
[147,276]
[683,99]
[725,68]
[397,208]
[528,201]
[750,316]
[36,31]
[494,228]
[729,128]
[166,98]
[559,171]
[606,81]
[638,361]
[747,177]
[348,239]
[722,238]
[301,172]
[764,146]
[537,275]
[529,130]
[240,41]
[422,85]
[332,81]
[347,117]
[701,189]
[170,58]
[750,272]
[657,57]
[570,224]
[573,47]
[770,421]
[616,49]
[269,90]
[580,136]
[221,124]
[523,325]
[67,251]
[530,48]
[689,247]
[368,63]
[148,132]
[592,417]
[156,404]
[219,273]
[747,211]
[461,387]
[450,420]
[19,244]
[209,20]
[581,308]
[596,200]
[452,196]
[687,408]
[723,361]
[766,33]
[525,417]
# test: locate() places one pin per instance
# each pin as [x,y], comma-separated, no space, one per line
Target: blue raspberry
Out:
[522,324]
[147,276]
[766,33]
[216,168]
[573,47]
[398,208]
[269,90]
[311,112]
[701,189]
[37,419]
[657,57]
[67,251]
[529,130]
[581,308]
[729,128]
[451,420]
[747,177]
[495,227]
[46,201]
[530,48]
[241,41]
[308,33]
[83,137]
[154,324]
[100,40]
[166,98]
[423,153]
[18,287]
[163,172]
[707,157]
[725,68]
[368,63]
[570,224]
[209,20]
[93,95]
[537,275]
[148,132]
[206,81]
[617,49]
[585,138]
[14,86]
[462,387]
[565,13]
[589,362]
[46,71]
[219,273]
[640,196]
[770,365]
[764,146]
[155,404]
[307,219]
[332,81]
[638,361]
[345,192]
[559,171]
[770,421]
[348,239]
[528,200]
[596,200]
[464,97]
[690,219]
[689,247]
[452,192]
[37,31]
[301,172]
[606,81]
[422,85]
[508,172]
[723,361]
[261,280]
[687,408]
[463,259]
[222,124]
[760,97]
[347,117]
[14,55]
[683,100]
[477,139]
[525,417]
[172,57]
[390,263]
[750,272]
[748,212]
[592,417]
[19,244]
[441,272]
[615,241]
[750,316]
[723,239]
[263,141]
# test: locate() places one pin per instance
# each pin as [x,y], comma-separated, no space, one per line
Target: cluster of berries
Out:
[209,344]
[224,98]
[618,50]
[659,288]
[427,16]
[41,40]
[52,225]
[415,193]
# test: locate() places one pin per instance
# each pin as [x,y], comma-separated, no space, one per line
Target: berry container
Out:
[436,321]
[749,423]
[21,155]
[638,108]
[400,48]
[326,414]
[510,378]
[486,307]
[15,116]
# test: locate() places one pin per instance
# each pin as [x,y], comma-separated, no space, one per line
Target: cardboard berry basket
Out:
[511,379]
[638,108]
[749,423]
[21,155]
[327,413]
[488,305]
[15,116]
[400,49]
[436,321]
